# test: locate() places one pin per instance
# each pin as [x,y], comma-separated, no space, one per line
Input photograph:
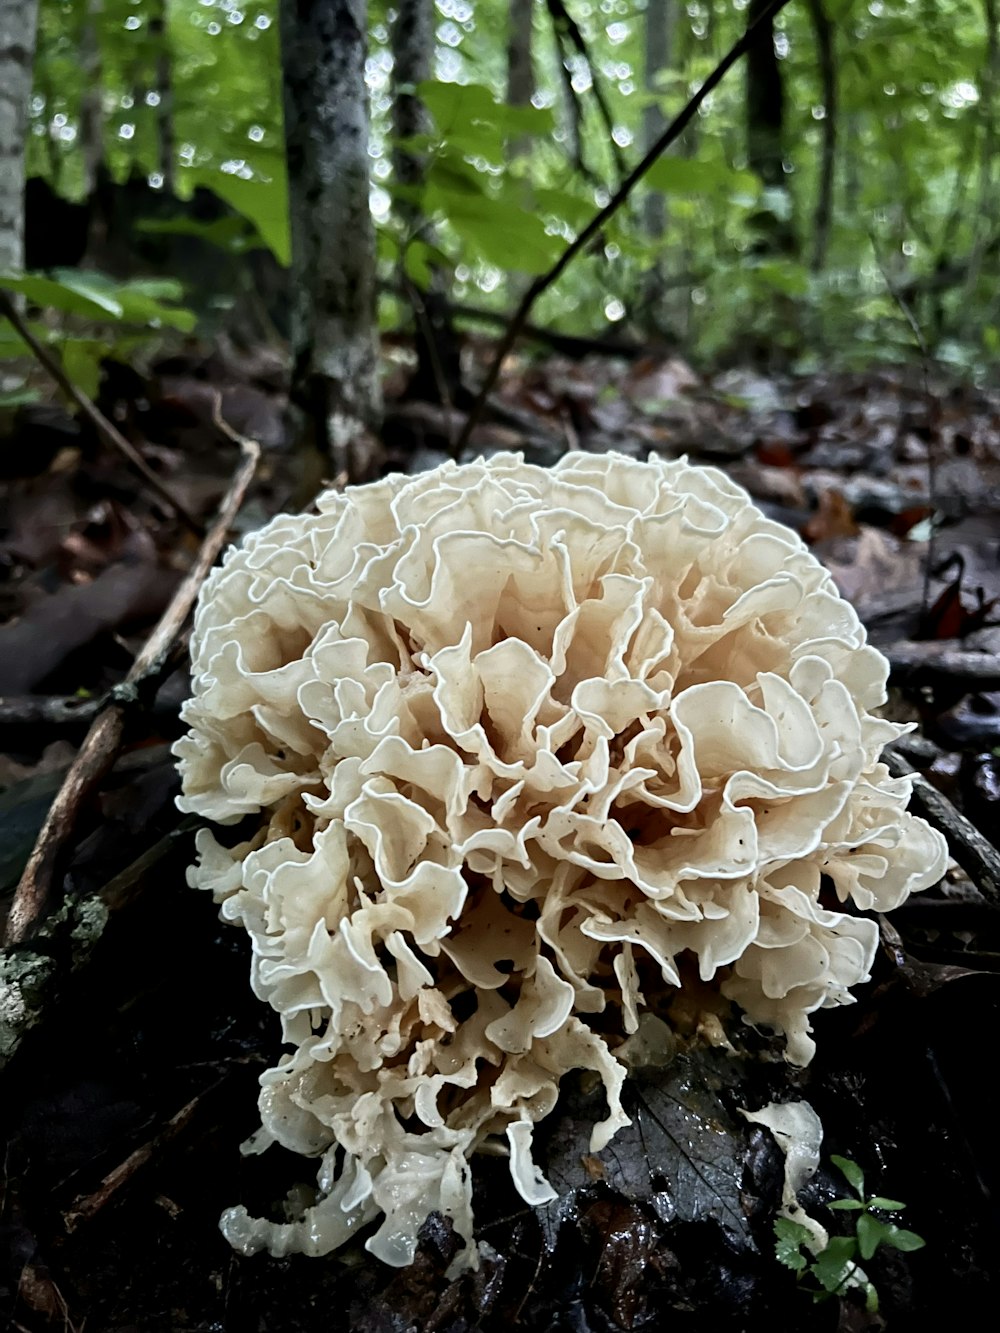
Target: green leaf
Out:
[418,259]
[81,359]
[459,108]
[788,279]
[872,1233]
[450,173]
[567,207]
[789,1238]
[262,202]
[232,234]
[686,175]
[142,301]
[72,298]
[95,296]
[498,230]
[846,1205]
[890,1205]
[853,1174]
[906,1241]
[832,1268]
[20,397]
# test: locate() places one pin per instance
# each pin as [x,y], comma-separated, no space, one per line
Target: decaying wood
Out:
[106,429]
[89,1205]
[921,663]
[977,857]
[34,710]
[104,739]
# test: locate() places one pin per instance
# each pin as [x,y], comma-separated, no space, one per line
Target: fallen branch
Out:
[89,1205]
[106,429]
[975,854]
[104,739]
[913,662]
[32,710]
[57,713]
[583,239]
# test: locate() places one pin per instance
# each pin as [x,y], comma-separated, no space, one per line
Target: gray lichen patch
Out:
[24,982]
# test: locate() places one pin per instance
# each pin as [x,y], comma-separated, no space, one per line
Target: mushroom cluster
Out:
[529,752]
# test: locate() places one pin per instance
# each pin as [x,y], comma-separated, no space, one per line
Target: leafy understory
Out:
[835,1269]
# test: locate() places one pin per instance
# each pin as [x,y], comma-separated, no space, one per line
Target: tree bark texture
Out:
[18,25]
[91,135]
[825,51]
[412,52]
[520,63]
[661,18]
[335,378]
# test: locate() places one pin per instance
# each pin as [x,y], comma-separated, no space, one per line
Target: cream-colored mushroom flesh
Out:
[529,750]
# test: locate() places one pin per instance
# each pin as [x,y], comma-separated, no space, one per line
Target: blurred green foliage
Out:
[192,88]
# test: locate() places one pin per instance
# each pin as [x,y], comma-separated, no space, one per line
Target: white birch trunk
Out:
[324,44]
[18,24]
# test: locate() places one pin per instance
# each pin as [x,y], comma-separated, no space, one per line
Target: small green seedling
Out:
[836,1268]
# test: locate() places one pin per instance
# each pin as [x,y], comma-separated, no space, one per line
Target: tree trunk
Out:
[91,136]
[765,111]
[18,25]
[164,89]
[984,216]
[661,18]
[823,217]
[437,378]
[335,377]
[520,64]
[412,52]
[661,22]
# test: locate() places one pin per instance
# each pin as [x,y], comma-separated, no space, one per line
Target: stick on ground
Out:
[106,429]
[978,858]
[88,1206]
[103,740]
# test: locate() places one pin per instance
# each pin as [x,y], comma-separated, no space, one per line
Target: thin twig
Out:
[426,329]
[918,337]
[594,226]
[104,738]
[978,858]
[106,429]
[89,1205]
[567,33]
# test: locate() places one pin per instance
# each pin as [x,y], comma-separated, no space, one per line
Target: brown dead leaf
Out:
[833,518]
[875,570]
[655,380]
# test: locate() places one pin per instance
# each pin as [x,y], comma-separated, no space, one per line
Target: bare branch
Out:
[593,228]
[104,738]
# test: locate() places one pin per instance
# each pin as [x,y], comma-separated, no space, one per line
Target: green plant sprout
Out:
[836,1268]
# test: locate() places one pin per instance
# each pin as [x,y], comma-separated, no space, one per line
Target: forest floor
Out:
[123,1109]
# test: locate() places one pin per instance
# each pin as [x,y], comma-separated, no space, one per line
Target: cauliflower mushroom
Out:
[529,750]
